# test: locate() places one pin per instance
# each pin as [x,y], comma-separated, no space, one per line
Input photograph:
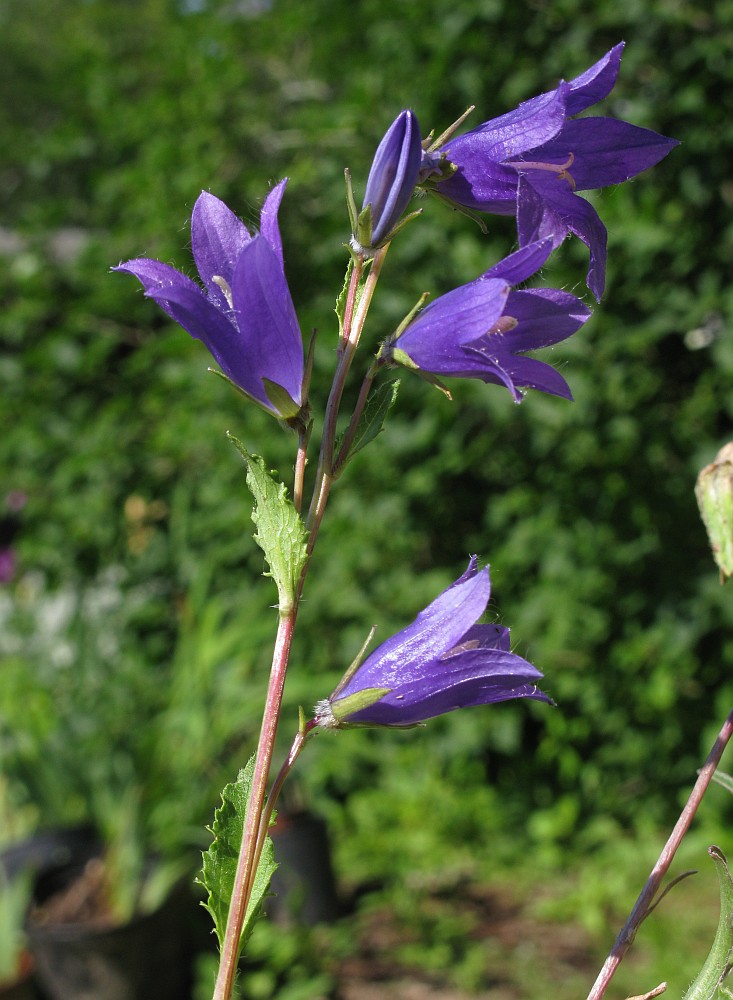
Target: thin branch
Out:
[641,908]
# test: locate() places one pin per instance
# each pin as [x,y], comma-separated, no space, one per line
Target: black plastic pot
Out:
[21,988]
[49,850]
[145,959]
[36,855]
[303,885]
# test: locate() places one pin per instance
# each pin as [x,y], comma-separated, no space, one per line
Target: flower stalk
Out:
[646,897]
[246,863]
[258,811]
[356,317]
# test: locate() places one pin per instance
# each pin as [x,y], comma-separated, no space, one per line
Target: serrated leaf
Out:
[343,295]
[281,533]
[708,984]
[220,861]
[372,420]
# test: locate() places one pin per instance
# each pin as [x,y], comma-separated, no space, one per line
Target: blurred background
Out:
[497,851]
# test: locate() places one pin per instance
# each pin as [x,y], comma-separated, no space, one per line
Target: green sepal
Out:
[280,534]
[342,708]
[281,399]
[410,317]
[709,983]
[468,212]
[363,230]
[371,422]
[351,202]
[343,295]
[401,358]
[355,664]
[240,390]
[449,132]
[220,861]
[400,225]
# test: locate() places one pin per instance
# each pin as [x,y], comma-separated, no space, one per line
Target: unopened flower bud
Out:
[714,492]
[391,183]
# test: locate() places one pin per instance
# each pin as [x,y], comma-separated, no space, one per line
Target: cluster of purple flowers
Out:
[531,163]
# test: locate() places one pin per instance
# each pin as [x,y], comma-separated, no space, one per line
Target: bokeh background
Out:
[497,851]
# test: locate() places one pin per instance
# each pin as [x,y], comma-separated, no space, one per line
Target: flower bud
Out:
[391,182]
[714,492]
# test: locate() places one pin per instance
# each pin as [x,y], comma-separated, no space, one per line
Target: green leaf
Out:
[343,295]
[726,780]
[708,984]
[714,492]
[372,420]
[220,861]
[281,533]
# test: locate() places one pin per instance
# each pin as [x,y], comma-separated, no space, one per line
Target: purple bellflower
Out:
[441,662]
[245,316]
[482,329]
[390,185]
[532,162]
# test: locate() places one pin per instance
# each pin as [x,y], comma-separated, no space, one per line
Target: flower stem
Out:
[354,318]
[245,868]
[350,434]
[300,464]
[258,816]
[298,743]
[641,907]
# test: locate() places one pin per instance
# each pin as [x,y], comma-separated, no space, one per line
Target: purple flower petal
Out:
[481,330]
[262,302]
[551,156]
[605,151]
[269,226]
[483,182]
[514,372]
[453,319]
[595,83]
[532,124]
[435,630]
[547,204]
[247,319]
[217,239]
[157,278]
[544,316]
[443,661]
[523,263]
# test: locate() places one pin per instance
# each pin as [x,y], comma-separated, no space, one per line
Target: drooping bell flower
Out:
[534,161]
[390,185]
[442,661]
[244,314]
[482,330]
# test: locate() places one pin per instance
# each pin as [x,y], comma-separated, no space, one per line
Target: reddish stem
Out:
[242,878]
[641,907]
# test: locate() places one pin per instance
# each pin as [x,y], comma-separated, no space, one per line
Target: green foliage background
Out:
[113,117]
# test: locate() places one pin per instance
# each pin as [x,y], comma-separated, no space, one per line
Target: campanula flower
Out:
[533,161]
[391,183]
[481,330]
[244,314]
[441,662]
